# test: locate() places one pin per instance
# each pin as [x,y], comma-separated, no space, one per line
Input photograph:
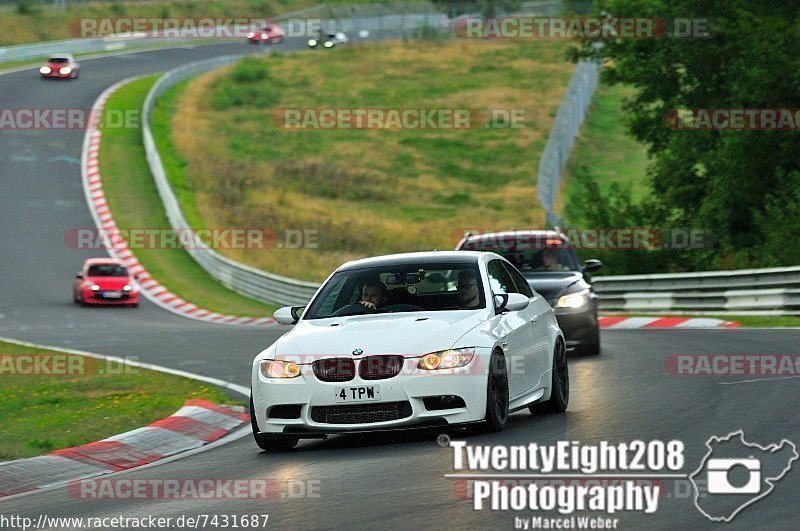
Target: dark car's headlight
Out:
[579,299]
[446,359]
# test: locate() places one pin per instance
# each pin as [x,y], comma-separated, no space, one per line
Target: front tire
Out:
[559,384]
[269,442]
[593,348]
[497,394]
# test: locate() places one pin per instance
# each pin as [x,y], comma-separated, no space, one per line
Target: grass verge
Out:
[84,401]
[135,204]
[604,147]
[363,192]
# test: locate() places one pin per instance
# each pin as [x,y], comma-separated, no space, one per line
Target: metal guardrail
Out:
[238,277]
[234,275]
[755,290]
[745,290]
[111,43]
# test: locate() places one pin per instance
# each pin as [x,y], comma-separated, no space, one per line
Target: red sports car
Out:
[105,281]
[62,66]
[272,33]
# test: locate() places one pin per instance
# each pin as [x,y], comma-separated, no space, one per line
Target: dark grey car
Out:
[550,265]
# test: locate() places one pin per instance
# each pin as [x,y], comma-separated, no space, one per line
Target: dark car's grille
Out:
[334,369]
[380,367]
[362,413]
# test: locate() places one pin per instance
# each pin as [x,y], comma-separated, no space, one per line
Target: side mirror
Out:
[510,302]
[288,315]
[592,265]
[79,276]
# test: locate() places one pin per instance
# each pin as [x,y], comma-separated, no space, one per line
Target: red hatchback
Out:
[105,281]
[269,34]
[60,67]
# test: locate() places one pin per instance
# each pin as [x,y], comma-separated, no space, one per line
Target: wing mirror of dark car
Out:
[288,315]
[592,265]
[510,302]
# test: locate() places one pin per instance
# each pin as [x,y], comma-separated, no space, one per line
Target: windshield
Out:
[59,60]
[107,270]
[414,287]
[528,257]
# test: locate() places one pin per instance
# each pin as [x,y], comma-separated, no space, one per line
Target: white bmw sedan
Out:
[415,340]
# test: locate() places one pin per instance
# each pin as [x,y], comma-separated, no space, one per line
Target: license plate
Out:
[357,393]
[112,294]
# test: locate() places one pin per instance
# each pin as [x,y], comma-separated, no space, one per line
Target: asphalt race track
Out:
[376,481]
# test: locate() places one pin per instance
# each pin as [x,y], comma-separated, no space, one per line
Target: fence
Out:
[571,113]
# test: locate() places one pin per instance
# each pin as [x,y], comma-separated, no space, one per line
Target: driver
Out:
[468,292]
[550,262]
[374,294]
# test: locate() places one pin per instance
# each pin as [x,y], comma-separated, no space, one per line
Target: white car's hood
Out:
[412,334]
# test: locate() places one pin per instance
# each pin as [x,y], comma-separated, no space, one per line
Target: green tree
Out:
[734,183]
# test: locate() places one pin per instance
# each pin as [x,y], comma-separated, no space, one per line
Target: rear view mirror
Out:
[510,302]
[592,265]
[288,315]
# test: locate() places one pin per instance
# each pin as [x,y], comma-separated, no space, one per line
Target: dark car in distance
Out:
[550,265]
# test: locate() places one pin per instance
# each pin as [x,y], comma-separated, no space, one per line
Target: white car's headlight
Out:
[65,70]
[328,44]
[312,42]
[280,369]
[446,359]
[45,70]
[578,299]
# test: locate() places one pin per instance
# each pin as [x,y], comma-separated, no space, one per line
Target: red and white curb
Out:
[98,206]
[176,438]
[620,322]
[196,424]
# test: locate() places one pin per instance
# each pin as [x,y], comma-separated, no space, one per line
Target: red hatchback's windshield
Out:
[107,270]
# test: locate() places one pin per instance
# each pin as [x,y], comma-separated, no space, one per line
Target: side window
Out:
[499,279]
[519,281]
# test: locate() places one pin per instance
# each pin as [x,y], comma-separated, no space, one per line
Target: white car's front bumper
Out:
[401,403]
